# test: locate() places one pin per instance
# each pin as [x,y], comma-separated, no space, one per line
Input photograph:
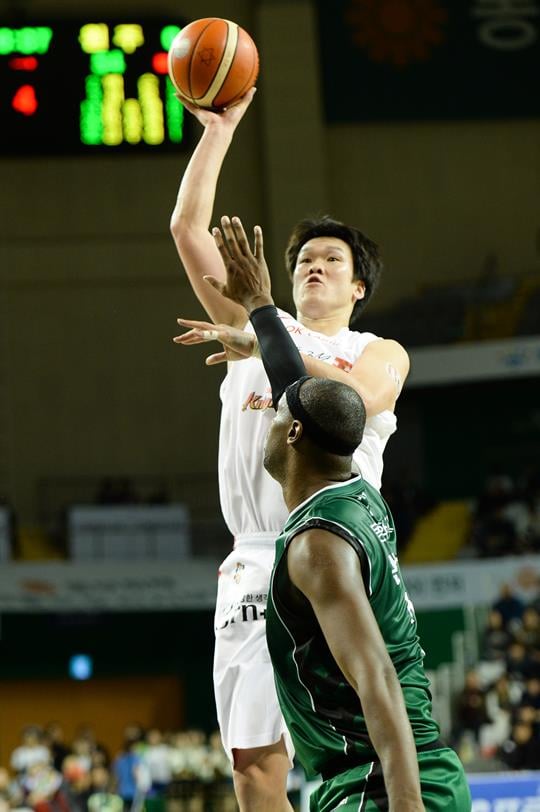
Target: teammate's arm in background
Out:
[192,214]
[327,571]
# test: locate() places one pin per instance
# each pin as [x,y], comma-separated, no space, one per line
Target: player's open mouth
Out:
[314,282]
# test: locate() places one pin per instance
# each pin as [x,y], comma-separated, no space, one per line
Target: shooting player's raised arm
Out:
[192,213]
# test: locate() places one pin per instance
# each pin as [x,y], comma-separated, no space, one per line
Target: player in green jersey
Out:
[341,628]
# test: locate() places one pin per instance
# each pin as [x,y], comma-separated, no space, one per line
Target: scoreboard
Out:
[88,87]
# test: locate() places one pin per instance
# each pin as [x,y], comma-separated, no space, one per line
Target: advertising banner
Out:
[505,792]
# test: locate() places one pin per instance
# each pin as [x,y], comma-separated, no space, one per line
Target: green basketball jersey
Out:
[322,711]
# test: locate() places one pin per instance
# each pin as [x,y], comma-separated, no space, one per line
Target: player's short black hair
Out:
[366,255]
[335,406]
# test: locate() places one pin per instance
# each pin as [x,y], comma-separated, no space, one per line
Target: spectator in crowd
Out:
[76,774]
[494,535]
[82,751]
[31,751]
[510,607]
[522,664]
[124,770]
[98,752]
[531,695]
[156,756]
[521,750]
[101,798]
[471,710]
[496,639]
[54,740]
[41,785]
[529,632]
[11,796]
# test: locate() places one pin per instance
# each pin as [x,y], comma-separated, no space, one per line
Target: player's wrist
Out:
[255,349]
[261,300]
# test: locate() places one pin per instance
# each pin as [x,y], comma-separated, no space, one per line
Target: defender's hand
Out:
[237,345]
[248,279]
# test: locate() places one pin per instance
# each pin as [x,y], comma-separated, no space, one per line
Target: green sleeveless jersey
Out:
[321,709]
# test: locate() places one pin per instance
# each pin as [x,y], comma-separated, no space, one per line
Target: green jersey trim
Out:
[304,686]
[355,479]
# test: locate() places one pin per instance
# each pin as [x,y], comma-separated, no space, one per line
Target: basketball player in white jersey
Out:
[334,269]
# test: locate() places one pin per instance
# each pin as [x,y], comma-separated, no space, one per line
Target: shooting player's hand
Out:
[237,345]
[248,279]
[230,117]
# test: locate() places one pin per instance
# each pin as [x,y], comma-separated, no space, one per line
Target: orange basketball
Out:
[213,63]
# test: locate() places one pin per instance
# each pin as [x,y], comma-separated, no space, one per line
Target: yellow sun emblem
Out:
[397,31]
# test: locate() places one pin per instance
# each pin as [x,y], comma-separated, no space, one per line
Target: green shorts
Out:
[361,789]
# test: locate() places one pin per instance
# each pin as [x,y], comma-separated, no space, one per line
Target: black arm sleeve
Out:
[282,361]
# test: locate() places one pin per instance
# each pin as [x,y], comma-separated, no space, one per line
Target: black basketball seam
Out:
[193,50]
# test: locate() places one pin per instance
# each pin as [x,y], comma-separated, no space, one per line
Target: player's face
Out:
[323,278]
[275,446]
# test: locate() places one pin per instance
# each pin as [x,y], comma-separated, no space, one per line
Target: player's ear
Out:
[359,290]
[294,433]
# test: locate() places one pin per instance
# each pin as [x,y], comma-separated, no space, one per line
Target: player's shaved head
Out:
[337,409]
[318,425]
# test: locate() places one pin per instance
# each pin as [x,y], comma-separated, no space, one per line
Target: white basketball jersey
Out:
[251,501]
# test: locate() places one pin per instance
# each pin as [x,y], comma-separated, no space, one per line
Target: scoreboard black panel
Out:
[88,87]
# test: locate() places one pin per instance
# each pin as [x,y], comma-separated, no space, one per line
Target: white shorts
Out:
[246,700]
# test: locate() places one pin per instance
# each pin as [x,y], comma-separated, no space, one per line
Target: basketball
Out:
[213,63]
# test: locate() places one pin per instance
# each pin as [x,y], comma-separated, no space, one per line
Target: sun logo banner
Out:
[429,59]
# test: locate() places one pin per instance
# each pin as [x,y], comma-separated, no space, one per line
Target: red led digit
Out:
[24,101]
[159,62]
[23,63]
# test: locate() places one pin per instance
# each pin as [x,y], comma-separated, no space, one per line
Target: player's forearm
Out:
[390,731]
[373,401]
[195,202]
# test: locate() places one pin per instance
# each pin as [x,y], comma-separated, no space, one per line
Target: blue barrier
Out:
[505,792]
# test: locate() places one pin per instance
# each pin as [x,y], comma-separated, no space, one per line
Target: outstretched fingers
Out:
[241,237]
[258,245]
[216,358]
[231,237]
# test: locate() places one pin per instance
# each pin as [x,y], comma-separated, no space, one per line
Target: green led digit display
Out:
[88,87]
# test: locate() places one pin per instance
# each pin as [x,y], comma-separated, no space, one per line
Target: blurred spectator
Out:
[495,535]
[10,792]
[156,756]
[471,709]
[82,752]
[529,632]
[496,638]
[54,739]
[99,755]
[531,694]
[41,787]
[521,750]
[31,750]
[510,607]
[76,773]
[518,664]
[124,770]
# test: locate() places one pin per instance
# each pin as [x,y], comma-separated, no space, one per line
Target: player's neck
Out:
[300,487]
[328,325]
